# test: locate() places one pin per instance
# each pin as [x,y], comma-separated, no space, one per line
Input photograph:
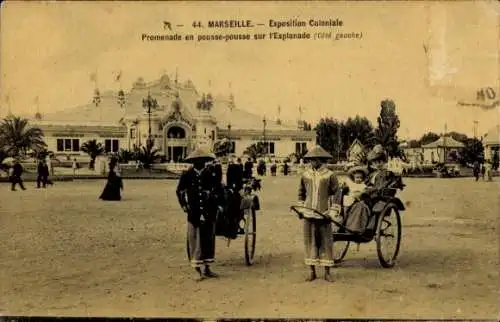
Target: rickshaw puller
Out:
[197,195]
[319,189]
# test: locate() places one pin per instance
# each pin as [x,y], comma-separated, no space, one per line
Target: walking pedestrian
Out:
[114,184]
[17,171]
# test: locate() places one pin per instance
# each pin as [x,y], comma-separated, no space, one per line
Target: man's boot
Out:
[209,273]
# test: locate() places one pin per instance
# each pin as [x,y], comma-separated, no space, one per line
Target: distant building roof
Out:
[492,136]
[444,141]
[164,91]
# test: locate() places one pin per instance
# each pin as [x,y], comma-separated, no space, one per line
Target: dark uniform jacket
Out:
[234,176]
[248,170]
[217,173]
[18,170]
[200,194]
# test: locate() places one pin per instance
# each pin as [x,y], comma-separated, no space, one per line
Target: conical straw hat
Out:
[200,154]
[317,153]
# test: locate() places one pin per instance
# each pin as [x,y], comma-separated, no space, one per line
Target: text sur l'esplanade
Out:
[290,23]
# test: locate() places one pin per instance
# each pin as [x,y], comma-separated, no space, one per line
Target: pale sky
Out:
[423,55]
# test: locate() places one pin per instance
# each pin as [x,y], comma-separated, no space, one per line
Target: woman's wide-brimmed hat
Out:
[317,153]
[376,154]
[200,154]
[357,168]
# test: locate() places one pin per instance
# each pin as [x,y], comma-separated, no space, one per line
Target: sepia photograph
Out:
[256,160]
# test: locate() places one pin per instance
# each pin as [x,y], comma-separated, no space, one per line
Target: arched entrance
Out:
[177,136]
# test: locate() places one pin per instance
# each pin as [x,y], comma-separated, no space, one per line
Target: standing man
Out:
[286,168]
[17,171]
[247,174]
[476,168]
[234,175]
[319,189]
[43,174]
[197,195]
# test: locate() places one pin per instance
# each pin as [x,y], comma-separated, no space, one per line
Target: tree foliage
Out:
[358,128]
[336,136]
[255,150]
[147,155]
[473,151]
[223,147]
[427,138]
[388,125]
[93,149]
[124,156]
[17,137]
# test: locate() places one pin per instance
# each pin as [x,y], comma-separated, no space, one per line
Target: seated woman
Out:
[114,184]
[358,215]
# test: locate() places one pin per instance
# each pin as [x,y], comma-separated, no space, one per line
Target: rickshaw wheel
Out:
[343,247]
[382,234]
[250,235]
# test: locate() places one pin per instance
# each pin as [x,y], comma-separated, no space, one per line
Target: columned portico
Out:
[177,137]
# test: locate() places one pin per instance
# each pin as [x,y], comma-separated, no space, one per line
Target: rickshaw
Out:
[246,219]
[383,207]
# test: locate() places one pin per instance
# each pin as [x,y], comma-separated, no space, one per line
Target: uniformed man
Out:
[217,171]
[197,195]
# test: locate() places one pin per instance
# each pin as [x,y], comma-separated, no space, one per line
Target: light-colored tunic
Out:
[319,190]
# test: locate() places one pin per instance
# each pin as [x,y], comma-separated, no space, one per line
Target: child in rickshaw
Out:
[356,185]
[358,215]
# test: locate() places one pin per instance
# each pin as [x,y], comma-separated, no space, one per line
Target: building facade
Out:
[491,143]
[175,117]
[442,150]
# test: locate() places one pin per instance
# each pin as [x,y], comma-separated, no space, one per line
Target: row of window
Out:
[73,145]
[113,145]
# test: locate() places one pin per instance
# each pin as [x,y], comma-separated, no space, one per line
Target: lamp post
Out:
[264,122]
[149,103]
[229,137]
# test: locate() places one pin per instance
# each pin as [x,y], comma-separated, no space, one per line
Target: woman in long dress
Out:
[114,185]
[358,217]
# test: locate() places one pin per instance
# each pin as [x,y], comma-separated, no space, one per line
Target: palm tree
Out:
[93,149]
[17,136]
[147,155]
[222,147]
[255,150]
